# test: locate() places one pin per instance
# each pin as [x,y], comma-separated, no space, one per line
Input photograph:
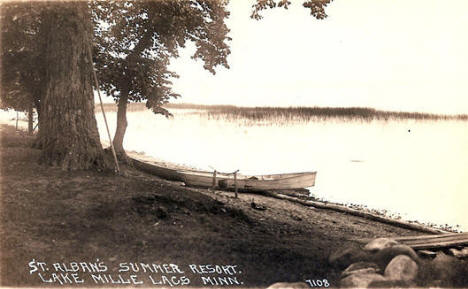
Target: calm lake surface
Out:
[416,169]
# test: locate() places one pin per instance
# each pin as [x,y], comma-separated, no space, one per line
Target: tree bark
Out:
[69,136]
[37,104]
[123,99]
[121,124]
[30,118]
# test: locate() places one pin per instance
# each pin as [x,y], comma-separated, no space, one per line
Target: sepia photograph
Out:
[234,144]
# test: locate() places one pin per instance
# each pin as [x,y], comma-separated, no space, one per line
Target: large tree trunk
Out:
[69,136]
[121,124]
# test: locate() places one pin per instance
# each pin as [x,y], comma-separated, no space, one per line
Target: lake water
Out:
[416,169]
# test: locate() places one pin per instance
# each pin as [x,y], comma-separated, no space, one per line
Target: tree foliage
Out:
[136,39]
[22,56]
[317,7]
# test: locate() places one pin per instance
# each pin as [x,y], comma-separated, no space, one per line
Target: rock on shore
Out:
[399,264]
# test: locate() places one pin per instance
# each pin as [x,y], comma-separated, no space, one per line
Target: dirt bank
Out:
[59,217]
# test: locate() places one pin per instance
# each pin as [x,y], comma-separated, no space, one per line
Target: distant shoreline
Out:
[294,112]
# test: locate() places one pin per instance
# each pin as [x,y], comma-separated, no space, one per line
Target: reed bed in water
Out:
[292,114]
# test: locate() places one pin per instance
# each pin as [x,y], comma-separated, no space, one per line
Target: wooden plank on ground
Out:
[439,244]
[434,241]
[427,237]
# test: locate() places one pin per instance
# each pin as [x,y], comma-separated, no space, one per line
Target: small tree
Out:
[135,41]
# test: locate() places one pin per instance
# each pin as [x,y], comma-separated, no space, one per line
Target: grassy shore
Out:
[62,217]
[290,114]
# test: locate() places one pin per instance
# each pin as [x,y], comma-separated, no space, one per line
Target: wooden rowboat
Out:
[290,181]
[157,170]
[287,181]
[151,166]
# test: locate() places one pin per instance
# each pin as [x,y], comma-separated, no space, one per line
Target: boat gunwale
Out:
[274,177]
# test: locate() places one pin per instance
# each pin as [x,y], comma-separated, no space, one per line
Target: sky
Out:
[403,55]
